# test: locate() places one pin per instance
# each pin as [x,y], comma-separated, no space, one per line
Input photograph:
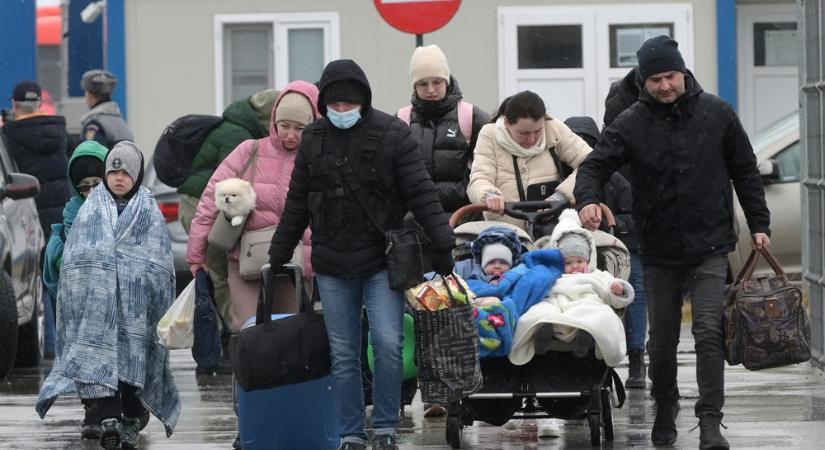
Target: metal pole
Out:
[419,40]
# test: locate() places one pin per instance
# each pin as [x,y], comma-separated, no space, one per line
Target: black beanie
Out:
[85,166]
[344,91]
[659,54]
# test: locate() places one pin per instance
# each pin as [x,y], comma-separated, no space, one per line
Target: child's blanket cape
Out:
[579,301]
[520,288]
[116,281]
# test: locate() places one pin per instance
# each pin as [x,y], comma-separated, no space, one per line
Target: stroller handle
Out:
[515,210]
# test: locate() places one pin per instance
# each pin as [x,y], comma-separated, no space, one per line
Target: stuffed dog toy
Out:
[235,198]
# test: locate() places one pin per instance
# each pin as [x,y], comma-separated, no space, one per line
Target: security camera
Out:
[92,11]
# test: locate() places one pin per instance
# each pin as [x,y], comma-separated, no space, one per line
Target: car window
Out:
[787,163]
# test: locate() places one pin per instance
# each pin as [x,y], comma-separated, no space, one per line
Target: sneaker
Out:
[664,426]
[129,429]
[384,442]
[352,446]
[549,428]
[710,437]
[434,410]
[90,429]
[109,435]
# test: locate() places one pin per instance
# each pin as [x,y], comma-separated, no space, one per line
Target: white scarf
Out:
[507,142]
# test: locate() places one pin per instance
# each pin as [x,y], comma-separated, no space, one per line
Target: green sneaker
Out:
[129,429]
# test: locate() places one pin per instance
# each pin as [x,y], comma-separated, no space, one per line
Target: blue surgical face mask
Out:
[344,120]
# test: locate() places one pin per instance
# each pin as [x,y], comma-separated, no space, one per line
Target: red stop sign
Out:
[417,16]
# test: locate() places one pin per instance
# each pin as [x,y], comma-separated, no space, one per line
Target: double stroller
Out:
[555,384]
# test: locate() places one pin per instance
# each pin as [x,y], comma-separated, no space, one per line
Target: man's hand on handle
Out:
[591,216]
[760,241]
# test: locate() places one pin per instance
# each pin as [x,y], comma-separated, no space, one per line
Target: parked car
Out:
[777,151]
[169,203]
[21,242]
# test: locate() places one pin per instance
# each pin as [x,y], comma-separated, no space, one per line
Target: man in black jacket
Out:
[357,172]
[684,147]
[37,143]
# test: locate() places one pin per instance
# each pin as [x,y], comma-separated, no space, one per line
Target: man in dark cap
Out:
[684,147]
[103,123]
[357,172]
[37,142]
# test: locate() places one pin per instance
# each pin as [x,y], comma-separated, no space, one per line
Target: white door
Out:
[570,54]
[769,50]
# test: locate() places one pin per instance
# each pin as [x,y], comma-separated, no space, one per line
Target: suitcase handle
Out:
[747,270]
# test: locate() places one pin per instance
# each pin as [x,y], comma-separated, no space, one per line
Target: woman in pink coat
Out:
[295,108]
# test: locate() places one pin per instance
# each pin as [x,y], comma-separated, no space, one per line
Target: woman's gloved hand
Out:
[442,261]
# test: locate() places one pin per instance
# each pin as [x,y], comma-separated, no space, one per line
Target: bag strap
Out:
[617,383]
[264,312]
[522,197]
[405,114]
[446,282]
[343,164]
[750,265]
[252,161]
[561,168]
[465,118]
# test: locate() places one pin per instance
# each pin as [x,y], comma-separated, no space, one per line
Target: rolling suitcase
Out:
[292,416]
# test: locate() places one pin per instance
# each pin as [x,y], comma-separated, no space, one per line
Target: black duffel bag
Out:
[285,351]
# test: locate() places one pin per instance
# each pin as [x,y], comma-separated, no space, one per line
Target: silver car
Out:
[21,241]
[169,204]
[777,152]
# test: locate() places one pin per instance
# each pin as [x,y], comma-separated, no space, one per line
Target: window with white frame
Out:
[259,51]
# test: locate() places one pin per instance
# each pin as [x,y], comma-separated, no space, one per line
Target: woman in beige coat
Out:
[522,136]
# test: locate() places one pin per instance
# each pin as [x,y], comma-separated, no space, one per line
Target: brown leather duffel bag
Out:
[765,321]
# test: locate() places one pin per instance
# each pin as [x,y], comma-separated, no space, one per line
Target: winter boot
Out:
[110,435]
[129,429]
[664,426]
[90,429]
[710,438]
[636,371]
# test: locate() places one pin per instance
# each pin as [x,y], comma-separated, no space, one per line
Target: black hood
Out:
[339,70]
[38,134]
[622,94]
[583,125]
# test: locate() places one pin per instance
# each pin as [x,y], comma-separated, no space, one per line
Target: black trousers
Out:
[665,285]
[125,402]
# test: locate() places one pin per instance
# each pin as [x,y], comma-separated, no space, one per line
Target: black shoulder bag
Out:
[274,353]
[540,191]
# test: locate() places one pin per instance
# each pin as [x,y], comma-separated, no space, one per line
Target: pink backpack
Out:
[465,118]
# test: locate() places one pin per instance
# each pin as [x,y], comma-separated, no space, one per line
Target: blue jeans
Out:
[343,301]
[635,317]
[49,319]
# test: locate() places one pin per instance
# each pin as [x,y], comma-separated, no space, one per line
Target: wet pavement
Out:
[778,408]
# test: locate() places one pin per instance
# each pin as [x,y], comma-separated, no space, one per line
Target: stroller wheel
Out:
[594,421]
[454,431]
[607,415]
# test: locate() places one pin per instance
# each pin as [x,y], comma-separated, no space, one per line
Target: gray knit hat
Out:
[494,251]
[125,155]
[574,244]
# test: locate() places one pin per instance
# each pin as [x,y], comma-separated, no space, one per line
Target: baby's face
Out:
[496,267]
[575,264]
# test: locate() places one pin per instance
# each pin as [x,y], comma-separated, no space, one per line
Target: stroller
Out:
[555,384]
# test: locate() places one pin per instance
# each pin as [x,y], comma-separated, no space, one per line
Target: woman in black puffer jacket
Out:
[434,119]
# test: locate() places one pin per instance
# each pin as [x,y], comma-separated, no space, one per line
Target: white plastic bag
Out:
[176,329]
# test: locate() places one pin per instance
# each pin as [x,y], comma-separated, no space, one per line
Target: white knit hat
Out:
[428,62]
[496,251]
